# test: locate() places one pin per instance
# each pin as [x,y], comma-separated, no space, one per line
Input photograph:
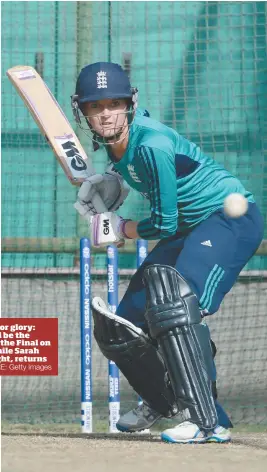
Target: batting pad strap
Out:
[174,320]
[170,299]
[136,357]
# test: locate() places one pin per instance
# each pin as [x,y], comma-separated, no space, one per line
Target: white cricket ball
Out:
[235,205]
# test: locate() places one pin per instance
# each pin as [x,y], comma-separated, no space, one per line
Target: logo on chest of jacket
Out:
[133,174]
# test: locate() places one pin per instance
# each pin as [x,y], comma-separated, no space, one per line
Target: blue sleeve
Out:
[160,174]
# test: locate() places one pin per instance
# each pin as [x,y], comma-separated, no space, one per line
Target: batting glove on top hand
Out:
[110,186]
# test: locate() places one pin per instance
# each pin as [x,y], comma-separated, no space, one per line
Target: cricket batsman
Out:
[158,337]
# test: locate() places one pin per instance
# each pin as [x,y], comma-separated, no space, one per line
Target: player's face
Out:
[108,117]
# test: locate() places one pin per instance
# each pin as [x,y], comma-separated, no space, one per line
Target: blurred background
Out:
[200,68]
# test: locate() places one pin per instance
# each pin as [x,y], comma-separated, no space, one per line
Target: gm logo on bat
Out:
[77,161]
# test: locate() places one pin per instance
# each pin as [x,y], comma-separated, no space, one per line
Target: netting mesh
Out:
[239,330]
[201,68]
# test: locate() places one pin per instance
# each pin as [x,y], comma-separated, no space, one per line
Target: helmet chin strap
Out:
[98,139]
[117,135]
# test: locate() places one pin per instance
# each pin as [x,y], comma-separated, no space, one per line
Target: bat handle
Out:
[99,204]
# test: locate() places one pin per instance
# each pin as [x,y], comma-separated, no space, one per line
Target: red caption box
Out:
[28,346]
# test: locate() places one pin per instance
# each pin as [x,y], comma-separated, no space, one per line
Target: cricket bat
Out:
[54,126]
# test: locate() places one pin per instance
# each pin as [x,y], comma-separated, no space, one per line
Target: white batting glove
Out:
[107,228]
[110,186]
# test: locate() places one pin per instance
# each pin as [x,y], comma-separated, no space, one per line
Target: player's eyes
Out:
[115,103]
[93,105]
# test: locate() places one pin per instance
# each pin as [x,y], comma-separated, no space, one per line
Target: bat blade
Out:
[54,125]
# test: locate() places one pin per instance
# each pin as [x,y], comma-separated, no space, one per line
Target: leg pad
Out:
[174,320]
[136,356]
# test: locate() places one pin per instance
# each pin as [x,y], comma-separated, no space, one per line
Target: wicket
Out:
[86,332]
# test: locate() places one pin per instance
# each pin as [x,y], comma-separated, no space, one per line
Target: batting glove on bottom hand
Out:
[107,228]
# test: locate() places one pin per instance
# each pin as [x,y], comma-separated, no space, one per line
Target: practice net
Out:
[201,68]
